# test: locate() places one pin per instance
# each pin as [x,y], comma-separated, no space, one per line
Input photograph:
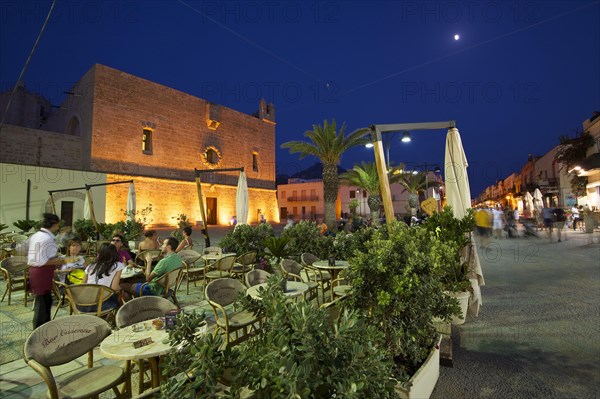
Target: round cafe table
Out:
[120,346]
[293,289]
[334,270]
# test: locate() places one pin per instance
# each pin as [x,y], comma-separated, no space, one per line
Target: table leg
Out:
[128,378]
[155,371]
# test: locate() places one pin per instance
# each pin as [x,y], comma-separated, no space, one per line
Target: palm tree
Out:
[328,145]
[366,177]
[413,183]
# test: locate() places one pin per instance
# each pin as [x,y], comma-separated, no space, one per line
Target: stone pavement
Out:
[537,333]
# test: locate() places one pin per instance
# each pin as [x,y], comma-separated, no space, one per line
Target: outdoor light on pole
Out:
[387,143]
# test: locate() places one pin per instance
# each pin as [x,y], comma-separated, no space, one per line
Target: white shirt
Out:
[42,248]
[105,280]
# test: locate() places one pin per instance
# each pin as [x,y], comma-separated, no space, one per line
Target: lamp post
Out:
[387,143]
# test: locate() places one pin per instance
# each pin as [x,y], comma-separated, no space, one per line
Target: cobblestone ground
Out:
[537,333]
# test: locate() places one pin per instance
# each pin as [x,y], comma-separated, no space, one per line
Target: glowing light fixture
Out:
[406,137]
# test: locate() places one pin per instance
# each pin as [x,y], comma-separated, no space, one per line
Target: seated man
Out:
[169,262]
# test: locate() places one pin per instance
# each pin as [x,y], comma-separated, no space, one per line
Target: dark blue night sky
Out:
[522,74]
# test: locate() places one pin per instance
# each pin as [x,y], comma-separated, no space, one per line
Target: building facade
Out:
[130,128]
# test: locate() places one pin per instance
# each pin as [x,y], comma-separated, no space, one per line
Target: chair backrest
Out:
[14,265]
[290,266]
[225,263]
[148,256]
[255,277]
[142,309]
[213,251]
[170,279]
[308,259]
[189,255]
[247,259]
[65,339]
[88,295]
[224,291]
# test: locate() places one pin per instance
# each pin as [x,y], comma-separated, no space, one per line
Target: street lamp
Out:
[387,143]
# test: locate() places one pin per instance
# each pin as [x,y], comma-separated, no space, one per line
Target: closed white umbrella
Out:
[458,192]
[538,199]
[241,200]
[87,213]
[529,201]
[131,203]
[458,195]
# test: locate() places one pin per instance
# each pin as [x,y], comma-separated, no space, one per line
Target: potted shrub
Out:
[300,353]
[455,234]
[245,238]
[84,229]
[397,288]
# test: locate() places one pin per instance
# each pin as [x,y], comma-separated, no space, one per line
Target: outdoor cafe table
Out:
[334,270]
[213,257]
[293,289]
[129,272]
[119,346]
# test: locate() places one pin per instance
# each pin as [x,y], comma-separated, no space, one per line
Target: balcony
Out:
[303,199]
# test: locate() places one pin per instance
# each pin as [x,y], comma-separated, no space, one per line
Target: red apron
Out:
[40,279]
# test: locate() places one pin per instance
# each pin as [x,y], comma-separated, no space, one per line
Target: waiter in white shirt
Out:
[43,259]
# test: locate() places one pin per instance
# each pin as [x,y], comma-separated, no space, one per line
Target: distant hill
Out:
[312,172]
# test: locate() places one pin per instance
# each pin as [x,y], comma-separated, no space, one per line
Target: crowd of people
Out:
[47,264]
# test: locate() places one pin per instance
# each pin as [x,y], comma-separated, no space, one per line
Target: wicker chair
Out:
[148,256]
[169,282]
[90,295]
[243,264]
[255,277]
[194,266]
[15,272]
[220,268]
[56,343]
[322,277]
[221,293]
[294,271]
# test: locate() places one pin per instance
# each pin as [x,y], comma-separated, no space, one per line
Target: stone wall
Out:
[26,146]
[182,129]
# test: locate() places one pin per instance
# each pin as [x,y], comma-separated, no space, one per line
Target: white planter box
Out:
[424,380]
[463,301]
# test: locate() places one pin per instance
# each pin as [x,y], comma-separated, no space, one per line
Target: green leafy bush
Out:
[304,237]
[397,288]
[3,226]
[299,353]
[26,225]
[84,229]
[245,238]
[455,235]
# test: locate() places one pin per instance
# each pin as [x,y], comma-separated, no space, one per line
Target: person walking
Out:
[575,216]
[548,219]
[560,217]
[43,259]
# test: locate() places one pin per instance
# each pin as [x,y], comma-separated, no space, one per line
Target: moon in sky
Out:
[456,37]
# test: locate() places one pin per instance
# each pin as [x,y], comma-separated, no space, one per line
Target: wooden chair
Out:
[146,257]
[243,264]
[294,271]
[15,272]
[220,268]
[61,341]
[255,277]
[221,293]
[138,310]
[90,295]
[322,277]
[169,282]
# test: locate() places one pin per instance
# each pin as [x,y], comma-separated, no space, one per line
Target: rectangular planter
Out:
[424,380]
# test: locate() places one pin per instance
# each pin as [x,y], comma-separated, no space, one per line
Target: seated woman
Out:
[150,241]
[72,272]
[106,271]
[124,256]
[187,242]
